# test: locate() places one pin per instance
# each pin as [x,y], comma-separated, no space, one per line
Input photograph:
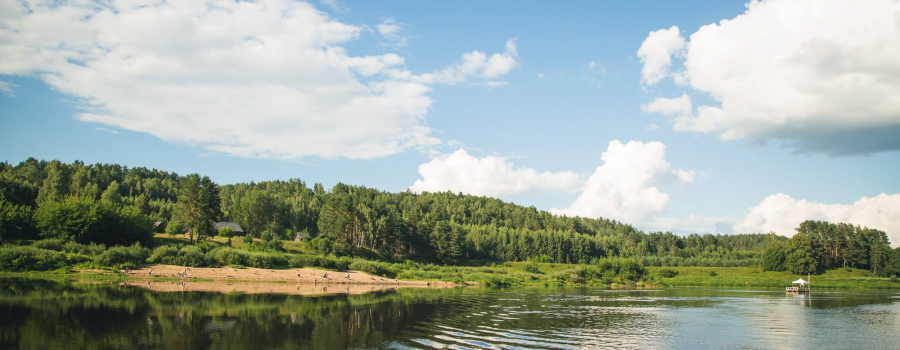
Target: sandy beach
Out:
[267,287]
[304,276]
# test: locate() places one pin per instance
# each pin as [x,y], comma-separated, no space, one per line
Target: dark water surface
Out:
[49,315]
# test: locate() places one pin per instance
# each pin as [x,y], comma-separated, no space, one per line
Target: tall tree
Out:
[198,205]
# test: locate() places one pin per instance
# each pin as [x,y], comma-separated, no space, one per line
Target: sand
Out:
[303,276]
[265,287]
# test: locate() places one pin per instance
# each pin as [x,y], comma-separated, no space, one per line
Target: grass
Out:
[59,260]
[754,277]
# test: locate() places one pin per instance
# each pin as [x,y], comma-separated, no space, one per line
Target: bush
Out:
[49,244]
[304,260]
[191,256]
[668,273]
[531,268]
[227,256]
[83,249]
[260,260]
[30,259]
[226,232]
[713,273]
[174,228]
[247,238]
[123,257]
[164,255]
[85,220]
[372,267]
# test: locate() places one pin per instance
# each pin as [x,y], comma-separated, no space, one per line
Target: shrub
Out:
[85,220]
[83,249]
[226,232]
[713,273]
[191,256]
[123,257]
[247,238]
[304,260]
[30,259]
[228,256]
[260,260]
[372,267]
[164,255]
[668,273]
[49,244]
[174,228]
[531,268]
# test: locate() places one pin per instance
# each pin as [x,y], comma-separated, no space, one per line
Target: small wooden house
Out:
[235,228]
[299,236]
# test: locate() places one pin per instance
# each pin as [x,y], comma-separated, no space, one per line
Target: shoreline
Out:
[304,275]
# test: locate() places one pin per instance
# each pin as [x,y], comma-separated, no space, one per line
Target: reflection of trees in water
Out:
[46,315]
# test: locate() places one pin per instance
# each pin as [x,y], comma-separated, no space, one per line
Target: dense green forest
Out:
[117,205]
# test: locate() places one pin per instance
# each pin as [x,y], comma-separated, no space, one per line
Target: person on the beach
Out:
[150,272]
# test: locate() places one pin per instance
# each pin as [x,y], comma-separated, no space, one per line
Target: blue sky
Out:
[571,83]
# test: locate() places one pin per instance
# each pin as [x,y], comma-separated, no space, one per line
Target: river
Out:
[38,314]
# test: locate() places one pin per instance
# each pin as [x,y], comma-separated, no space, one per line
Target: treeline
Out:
[110,204]
[820,245]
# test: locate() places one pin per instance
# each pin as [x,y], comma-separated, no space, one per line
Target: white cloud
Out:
[656,53]
[651,127]
[392,31]
[107,130]
[625,186]
[670,106]
[540,75]
[494,83]
[8,89]
[471,64]
[266,79]
[336,6]
[489,176]
[820,76]
[782,214]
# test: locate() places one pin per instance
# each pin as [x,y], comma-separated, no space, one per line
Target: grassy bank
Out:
[66,260]
[750,277]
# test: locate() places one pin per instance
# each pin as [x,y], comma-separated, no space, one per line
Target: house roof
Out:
[302,235]
[222,224]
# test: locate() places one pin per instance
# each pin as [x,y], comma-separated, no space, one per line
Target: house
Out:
[235,228]
[300,236]
[159,227]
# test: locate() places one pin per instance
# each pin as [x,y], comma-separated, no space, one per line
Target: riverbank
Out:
[303,275]
[754,277]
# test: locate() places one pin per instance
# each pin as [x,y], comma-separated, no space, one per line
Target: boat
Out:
[798,286]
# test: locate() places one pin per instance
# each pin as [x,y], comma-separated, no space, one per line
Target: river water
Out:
[38,314]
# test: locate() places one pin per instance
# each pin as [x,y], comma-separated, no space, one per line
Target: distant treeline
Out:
[345,220]
[820,245]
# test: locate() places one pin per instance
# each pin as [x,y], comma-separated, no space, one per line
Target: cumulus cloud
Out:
[669,106]
[626,186]
[266,79]
[656,53]
[489,176]
[819,76]
[781,214]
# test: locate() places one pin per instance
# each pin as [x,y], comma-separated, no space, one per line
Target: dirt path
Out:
[304,275]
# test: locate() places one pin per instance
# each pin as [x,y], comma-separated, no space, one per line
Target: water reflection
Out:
[196,315]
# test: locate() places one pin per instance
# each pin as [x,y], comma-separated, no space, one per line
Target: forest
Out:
[118,206]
